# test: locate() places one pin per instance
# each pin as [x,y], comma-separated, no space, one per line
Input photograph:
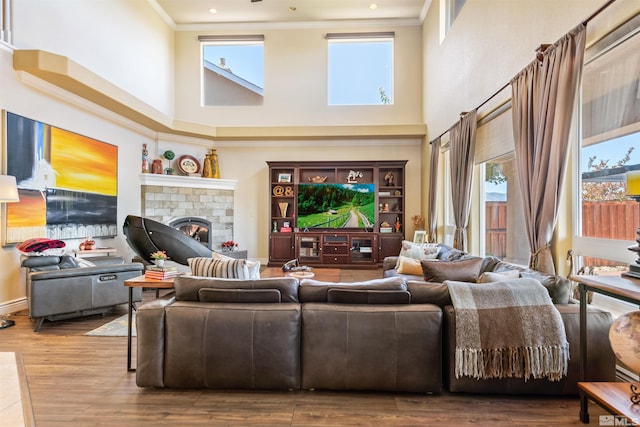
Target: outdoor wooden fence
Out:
[605,220]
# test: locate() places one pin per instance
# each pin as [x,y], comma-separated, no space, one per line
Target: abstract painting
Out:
[68,183]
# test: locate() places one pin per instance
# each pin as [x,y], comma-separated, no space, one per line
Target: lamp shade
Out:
[8,189]
[633,183]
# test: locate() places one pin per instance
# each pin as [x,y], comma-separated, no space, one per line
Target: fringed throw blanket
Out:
[508,329]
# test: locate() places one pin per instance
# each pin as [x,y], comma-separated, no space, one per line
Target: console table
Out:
[607,395]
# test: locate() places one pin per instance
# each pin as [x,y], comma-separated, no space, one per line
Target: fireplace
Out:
[199,207]
[197,228]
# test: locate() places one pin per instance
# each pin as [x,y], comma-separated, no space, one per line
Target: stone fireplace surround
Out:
[166,198]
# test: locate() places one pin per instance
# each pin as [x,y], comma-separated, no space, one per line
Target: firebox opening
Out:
[197,228]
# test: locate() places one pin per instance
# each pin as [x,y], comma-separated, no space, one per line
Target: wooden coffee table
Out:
[145,283]
[322,274]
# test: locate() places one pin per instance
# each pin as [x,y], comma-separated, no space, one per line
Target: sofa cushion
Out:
[466,270]
[317,291]
[356,296]
[488,276]
[209,267]
[239,295]
[187,287]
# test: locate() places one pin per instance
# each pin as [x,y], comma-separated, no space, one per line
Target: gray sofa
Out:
[281,334]
[58,288]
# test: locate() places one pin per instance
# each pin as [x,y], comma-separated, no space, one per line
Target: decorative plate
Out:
[625,339]
[188,165]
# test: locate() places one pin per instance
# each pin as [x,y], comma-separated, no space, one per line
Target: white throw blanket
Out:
[508,329]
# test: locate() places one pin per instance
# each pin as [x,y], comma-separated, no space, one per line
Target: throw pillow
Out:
[228,269]
[419,251]
[408,265]
[490,276]
[252,266]
[41,246]
[466,270]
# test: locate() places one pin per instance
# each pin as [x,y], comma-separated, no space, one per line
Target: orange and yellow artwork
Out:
[68,183]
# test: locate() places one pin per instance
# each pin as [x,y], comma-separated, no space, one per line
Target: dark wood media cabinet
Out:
[344,229]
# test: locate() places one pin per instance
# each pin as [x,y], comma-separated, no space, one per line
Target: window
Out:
[449,11]
[360,69]
[606,220]
[232,70]
[5,21]
[504,232]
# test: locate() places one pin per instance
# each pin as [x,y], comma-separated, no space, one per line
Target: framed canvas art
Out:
[68,183]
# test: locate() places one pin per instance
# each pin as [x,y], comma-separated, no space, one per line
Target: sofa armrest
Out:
[150,328]
[389,263]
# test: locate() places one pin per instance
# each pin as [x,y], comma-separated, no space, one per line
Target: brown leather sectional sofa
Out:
[389,334]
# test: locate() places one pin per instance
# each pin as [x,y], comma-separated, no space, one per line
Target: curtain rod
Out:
[584,22]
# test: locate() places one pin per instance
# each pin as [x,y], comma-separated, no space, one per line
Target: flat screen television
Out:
[336,206]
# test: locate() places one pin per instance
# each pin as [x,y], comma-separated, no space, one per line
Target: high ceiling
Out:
[186,12]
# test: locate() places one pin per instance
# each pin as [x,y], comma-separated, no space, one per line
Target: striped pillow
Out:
[228,269]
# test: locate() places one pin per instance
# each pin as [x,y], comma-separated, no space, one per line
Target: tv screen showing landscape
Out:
[336,205]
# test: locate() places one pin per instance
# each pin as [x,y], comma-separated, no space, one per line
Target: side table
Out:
[94,252]
[605,394]
[144,283]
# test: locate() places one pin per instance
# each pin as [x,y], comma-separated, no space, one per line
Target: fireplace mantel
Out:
[187,181]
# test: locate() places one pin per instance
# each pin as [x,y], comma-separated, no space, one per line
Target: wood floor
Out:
[78,380]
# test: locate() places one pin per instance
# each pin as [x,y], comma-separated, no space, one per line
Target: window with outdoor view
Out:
[504,230]
[360,69]
[232,70]
[610,147]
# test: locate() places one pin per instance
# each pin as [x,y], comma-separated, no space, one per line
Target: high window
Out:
[232,70]
[449,11]
[360,69]
[5,21]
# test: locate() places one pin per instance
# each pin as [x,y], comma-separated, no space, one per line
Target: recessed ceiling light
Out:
[213,10]
[373,6]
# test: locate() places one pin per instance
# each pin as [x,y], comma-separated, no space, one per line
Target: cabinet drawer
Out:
[335,259]
[335,249]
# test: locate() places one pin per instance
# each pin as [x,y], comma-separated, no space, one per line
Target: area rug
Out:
[115,328]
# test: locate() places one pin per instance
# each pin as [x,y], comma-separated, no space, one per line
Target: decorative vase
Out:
[283,209]
[158,262]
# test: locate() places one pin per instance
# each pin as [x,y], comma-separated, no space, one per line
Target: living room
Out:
[123,73]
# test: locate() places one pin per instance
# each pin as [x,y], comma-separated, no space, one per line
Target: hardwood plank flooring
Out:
[78,380]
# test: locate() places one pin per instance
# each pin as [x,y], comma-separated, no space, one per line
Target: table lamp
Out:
[8,193]
[633,191]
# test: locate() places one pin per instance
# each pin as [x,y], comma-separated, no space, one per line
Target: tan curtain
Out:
[462,148]
[543,99]
[433,189]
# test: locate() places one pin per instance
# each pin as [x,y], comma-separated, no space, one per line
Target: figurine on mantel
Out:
[145,159]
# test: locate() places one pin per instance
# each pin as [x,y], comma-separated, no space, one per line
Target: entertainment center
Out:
[349,213]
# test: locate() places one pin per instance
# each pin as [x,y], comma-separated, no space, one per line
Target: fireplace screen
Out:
[197,228]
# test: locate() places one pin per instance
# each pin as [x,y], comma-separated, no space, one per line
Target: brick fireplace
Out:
[167,198]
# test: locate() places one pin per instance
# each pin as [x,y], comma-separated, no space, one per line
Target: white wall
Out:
[295,87]
[123,41]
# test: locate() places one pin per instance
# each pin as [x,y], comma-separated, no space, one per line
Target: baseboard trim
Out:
[14,306]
